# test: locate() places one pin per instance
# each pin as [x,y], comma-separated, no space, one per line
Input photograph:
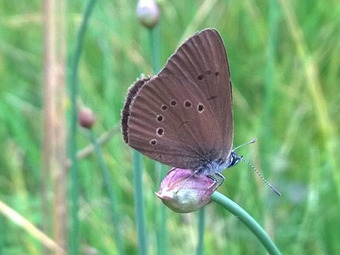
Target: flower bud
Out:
[86,117]
[147,13]
[184,192]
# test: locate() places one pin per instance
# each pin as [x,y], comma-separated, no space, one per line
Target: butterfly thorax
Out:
[218,165]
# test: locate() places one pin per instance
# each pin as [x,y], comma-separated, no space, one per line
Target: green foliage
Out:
[285,66]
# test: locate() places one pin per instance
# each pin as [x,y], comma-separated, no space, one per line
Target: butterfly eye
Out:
[160,131]
[187,104]
[160,118]
[164,107]
[217,73]
[200,107]
[200,77]
[153,142]
[173,102]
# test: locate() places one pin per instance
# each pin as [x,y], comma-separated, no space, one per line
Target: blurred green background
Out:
[285,65]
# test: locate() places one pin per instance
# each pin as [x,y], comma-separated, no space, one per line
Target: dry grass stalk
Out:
[54,131]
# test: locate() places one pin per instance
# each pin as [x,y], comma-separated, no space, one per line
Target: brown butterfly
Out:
[182,117]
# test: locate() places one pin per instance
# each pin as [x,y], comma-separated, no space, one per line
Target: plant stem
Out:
[74,235]
[139,206]
[155,50]
[249,221]
[2,235]
[109,188]
[201,223]
[154,36]
[162,231]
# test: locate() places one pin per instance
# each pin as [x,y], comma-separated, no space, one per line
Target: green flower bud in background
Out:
[147,13]
[184,192]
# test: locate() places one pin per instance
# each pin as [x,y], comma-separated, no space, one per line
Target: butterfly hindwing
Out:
[202,60]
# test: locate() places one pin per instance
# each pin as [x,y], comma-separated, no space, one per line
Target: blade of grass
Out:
[249,221]
[116,219]
[74,235]
[270,79]
[26,225]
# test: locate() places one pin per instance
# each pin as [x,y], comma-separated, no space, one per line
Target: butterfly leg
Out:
[214,183]
[222,178]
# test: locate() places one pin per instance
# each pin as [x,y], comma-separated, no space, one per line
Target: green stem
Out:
[201,223]
[2,235]
[139,206]
[74,235]
[109,188]
[155,51]
[162,219]
[249,221]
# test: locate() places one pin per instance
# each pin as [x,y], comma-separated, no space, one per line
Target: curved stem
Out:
[249,221]
[74,235]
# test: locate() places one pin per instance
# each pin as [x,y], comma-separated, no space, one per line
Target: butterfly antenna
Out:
[250,142]
[261,176]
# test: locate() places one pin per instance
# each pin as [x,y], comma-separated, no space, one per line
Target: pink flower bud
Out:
[147,13]
[86,117]
[184,192]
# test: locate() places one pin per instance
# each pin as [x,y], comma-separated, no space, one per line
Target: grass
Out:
[285,71]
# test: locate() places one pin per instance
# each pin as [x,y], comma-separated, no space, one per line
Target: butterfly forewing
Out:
[183,116]
[202,60]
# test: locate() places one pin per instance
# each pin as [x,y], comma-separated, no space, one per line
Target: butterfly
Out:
[183,116]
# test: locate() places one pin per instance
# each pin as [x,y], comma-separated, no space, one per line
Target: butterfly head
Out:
[234,159]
